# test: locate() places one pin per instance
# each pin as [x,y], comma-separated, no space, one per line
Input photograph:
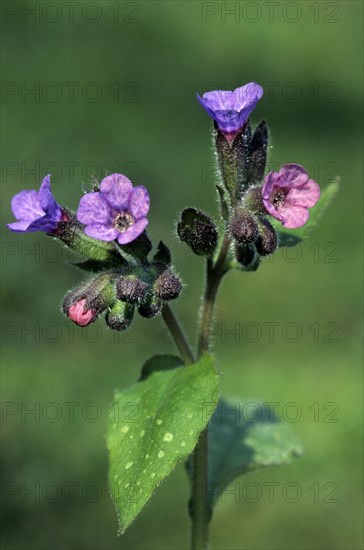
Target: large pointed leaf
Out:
[244,436]
[158,363]
[153,425]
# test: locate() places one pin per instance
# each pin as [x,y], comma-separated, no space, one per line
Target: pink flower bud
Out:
[78,315]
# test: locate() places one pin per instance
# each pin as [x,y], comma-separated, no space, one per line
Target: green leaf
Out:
[316,212]
[163,255]
[158,363]
[153,425]
[288,239]
[224,208]
[93,266]
[286,236]
[244,436]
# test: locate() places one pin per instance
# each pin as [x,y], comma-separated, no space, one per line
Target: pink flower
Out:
[78,315]
[288,194]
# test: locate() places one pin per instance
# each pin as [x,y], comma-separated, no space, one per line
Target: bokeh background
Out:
[114,88]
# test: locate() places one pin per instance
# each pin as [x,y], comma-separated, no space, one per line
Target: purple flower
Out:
[116,212]
[288,194]
[231,110]
[36,210]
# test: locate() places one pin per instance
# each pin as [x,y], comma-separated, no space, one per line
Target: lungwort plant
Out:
[179,411]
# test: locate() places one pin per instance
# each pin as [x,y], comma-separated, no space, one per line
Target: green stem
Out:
[200,510]
[199,505]
[178,335]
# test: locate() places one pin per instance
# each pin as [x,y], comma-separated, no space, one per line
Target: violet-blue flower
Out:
[36,210]
[117,211]
[231,110]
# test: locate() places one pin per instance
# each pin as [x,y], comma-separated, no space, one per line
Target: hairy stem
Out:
[200,509]
[199,505]
[178,335]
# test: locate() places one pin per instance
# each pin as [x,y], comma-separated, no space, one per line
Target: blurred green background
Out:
[114,90]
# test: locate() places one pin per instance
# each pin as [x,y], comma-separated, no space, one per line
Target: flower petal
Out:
[139,202]
[25,206]
[94,209]
[270,181]
[101,232]
[19,227]
[46,199]
[308,195]
[133,232]
[293,216]
[117,189]
[228,121]
[218,100]
[44,223]
[292,175]
[246,97]
[272,210]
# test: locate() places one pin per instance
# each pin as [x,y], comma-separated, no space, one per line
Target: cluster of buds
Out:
[242,161]
[142,286]
[246,196]
[109,230]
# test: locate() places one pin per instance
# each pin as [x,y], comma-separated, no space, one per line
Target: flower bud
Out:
[243,226]
[198,231]
[131,289]
[85,304]
[150,307]
[267,240]
[120,316]
[258,153]
[245,254]
[167,286]
[253,201]
[81,316]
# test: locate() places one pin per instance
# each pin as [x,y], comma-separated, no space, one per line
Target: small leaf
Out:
[316,212]
[244,436]
[163,255]
[94,266]
[153,425]
[258,152]
[159,363]
[224,208]
[288,239]
[139,248]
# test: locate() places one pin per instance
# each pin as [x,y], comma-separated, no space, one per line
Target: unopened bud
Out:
[198,231]
[267,240]
[243,227]
[81,316]
[131,289]
[253,201]
[167,286]
[150,307]
[245,254]
[120,316]
[258,153]
[84,304]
